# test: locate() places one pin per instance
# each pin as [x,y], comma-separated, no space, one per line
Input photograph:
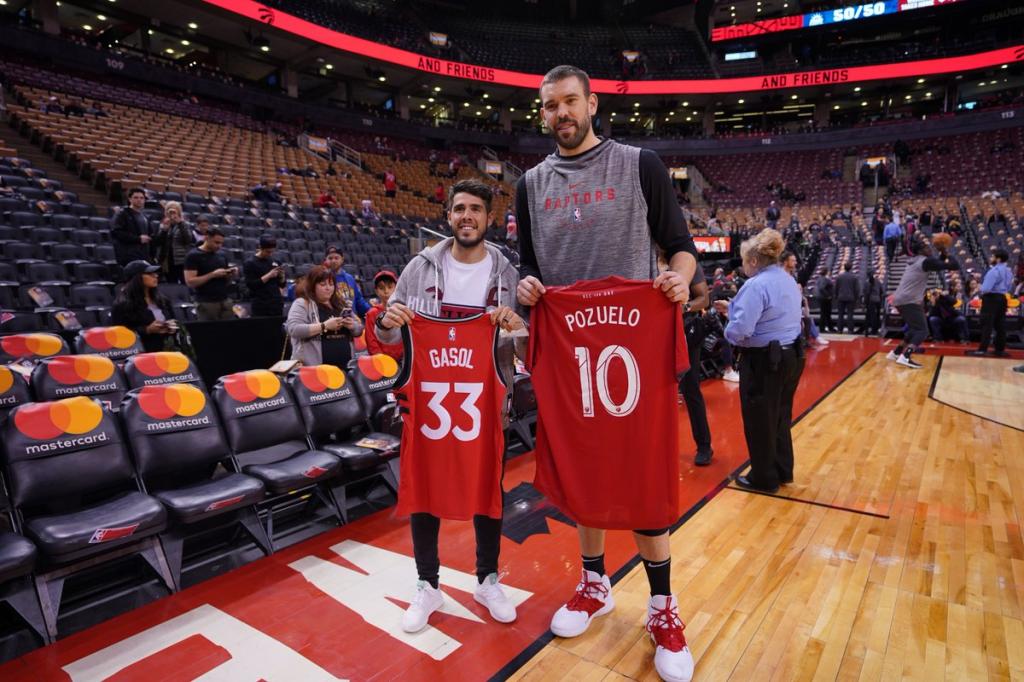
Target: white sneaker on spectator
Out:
[731,375]
[593,598]
[672,657]
[426,601]
[490,594]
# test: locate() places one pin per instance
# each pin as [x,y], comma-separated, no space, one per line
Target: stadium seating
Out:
[75,495]
[177,444]
[156,369]
[14,390]
[31,347]
[17,561]
[116,343]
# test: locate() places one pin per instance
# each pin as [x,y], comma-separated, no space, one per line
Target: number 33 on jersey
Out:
[605,357]
[451,396]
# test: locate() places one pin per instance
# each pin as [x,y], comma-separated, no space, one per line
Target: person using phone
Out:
[140,307]
[208,274]
[264,278]
[320,331]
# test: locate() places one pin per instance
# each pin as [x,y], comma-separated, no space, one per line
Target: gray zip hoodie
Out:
[421,288]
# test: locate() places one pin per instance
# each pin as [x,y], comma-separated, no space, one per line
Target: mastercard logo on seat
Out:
[360,342]
[28,345]
[322,378]
[6,379]
[72,370]
[109,338]
[246,387]
[377,367]
[161,364]
[171,400]
[46,421]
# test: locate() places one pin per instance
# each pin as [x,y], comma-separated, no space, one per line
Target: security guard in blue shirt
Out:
[764,322]
[994,288]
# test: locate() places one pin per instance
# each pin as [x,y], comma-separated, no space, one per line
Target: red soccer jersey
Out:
[451,395]
[605,356]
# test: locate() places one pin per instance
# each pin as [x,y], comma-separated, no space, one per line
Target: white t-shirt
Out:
[466,283]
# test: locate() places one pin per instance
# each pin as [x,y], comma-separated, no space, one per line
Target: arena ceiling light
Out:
[328,66]
[193,25]
[741,101]
[430,99]
[863,104]
[437,88]
[86,27]
[185,43]
[920,80]
[101,17]
[382,79]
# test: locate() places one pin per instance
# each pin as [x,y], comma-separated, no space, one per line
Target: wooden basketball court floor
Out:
[897,553]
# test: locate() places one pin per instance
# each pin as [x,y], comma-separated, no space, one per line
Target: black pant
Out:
[846,314]
[993,318]
[917,327]
[425,529]
[766,401]
[890,248]
[825,315]
[690,386]
[872,318]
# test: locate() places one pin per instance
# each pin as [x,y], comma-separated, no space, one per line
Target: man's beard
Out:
[582,129]
[470,242]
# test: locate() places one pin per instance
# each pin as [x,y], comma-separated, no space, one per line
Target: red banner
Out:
[487,74]
[757,28]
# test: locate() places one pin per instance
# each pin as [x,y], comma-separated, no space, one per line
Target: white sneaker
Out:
[593,598]
[490,594]
[731,375]
[893,355]
[822,341]
[426,601]
[672,657]
[904,361]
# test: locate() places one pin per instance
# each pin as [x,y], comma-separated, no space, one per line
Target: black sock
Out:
[594,563]
[659,574]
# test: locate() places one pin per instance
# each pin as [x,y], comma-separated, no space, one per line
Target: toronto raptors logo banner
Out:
[451,395]
[605,357]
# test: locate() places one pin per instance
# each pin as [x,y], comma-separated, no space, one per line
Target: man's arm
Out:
[527,258]
[668,229]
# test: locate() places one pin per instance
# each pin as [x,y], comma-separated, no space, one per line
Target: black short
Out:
[652,533]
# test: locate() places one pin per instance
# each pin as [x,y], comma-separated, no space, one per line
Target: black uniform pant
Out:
[425,529]
[825,316]
[766,401]
[993,319]
[872,318]
[689,385]
[846,314]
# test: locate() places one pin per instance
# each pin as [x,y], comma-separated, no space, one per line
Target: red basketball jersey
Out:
[605,356]
[451,395]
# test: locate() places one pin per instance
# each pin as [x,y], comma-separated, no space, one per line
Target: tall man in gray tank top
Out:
[592,209]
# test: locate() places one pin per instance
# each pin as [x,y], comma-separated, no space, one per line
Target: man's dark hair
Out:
[1002,255]
[566,71]
[847,266]
[135,190]
[474,187]
[214,232]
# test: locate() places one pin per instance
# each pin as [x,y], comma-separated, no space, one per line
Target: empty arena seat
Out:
[14,322]
[118,343]
[17,561]
[164,367]
[268,439]
[14,390]
[31,347]
[523,409]
[374,378]
[334,419]
[75,494]
[94,376]
[178,444]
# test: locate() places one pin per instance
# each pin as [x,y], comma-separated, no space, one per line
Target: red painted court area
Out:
[329,607]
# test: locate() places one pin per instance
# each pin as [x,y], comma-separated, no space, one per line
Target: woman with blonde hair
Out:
[321,324]
[173,242]
[764,322]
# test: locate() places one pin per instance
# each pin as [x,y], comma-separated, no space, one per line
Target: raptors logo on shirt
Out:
[606,356]
[451,396]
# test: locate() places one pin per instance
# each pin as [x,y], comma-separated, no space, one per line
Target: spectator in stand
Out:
[326,200]
[131,230]
[275,193]
[96,109]
[994,288]
[201,228]
[140,307]
[384,283]
[944,320]
[390,184]
[320,323]
[847,294]
[207,273]
[824,292]
[330,172]
[874,295]
[367,212]
[264,279]
[772,215]
[260,192]
[348,289]
[173,241]
[789,263]
[893,237]
[440,194]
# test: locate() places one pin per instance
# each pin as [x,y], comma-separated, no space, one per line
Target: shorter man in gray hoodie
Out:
[459,277]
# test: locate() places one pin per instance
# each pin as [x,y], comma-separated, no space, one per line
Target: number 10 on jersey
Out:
[632,397]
